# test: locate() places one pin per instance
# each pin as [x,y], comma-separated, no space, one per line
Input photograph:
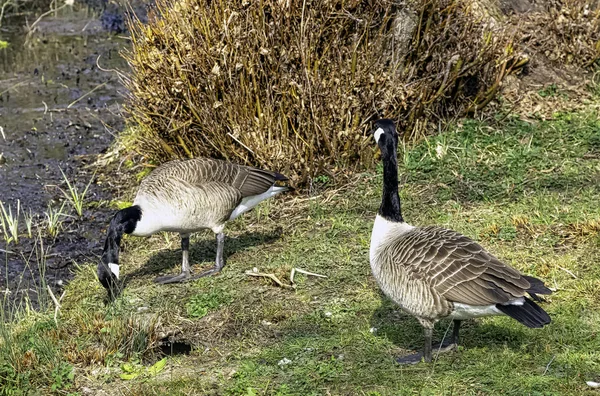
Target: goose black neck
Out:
[390,201]
[124,221]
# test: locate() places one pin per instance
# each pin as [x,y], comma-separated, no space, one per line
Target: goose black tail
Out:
[282,178]
[536,287]
[530,314]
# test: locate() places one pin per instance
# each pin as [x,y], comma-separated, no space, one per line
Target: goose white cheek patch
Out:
[114,268]
[378,134]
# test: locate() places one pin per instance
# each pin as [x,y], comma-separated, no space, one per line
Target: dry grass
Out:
[292,86]
[564,31]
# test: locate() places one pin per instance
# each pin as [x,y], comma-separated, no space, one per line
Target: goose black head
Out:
[123,222]
[384,132]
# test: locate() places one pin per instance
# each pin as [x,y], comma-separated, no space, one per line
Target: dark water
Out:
[58,110]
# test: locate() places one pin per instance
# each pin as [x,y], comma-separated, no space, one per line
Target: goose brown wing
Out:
[253,181]
[458,268]
[200,171]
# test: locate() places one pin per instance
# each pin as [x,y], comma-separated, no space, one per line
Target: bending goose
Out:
[434,273]
[185,197]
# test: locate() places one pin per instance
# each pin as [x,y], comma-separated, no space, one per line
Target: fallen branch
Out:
[275,279]
[270,276]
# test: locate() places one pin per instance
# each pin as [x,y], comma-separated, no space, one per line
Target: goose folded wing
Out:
[252,181]
[248,181]
[462,271]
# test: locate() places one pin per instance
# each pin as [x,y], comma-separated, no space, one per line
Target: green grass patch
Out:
[201,304]
[527,191]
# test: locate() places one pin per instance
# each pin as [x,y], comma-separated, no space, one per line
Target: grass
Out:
[10,222]
[54,220]
[28,218]
[74,196]
[52,224]
[526,191]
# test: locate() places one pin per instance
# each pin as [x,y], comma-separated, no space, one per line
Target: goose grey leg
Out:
[185,264]
[220,261]
[446,346]
[416,357]
[427,346]
[428,349]
[455,332]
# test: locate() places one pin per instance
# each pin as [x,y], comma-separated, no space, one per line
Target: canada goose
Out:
[185,197]
[434,273]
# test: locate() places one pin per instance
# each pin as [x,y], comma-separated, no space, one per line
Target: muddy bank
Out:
[59,108]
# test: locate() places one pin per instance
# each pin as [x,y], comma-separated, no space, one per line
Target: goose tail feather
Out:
[529,313]
[536,286]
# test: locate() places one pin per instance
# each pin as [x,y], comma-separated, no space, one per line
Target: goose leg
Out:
[220,261]
[427,346]
[455,332]
[185,264]
[416,357]
[453,344]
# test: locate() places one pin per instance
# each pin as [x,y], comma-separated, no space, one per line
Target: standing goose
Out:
[434,273]
[185,197]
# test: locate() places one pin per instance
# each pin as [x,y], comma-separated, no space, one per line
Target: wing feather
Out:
[458,268]
[200,171]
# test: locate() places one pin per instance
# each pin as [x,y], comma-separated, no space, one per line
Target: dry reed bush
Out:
[565,31]
[292,85]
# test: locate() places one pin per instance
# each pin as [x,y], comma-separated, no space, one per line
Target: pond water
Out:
[60,106]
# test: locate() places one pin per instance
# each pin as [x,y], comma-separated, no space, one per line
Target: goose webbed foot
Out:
[452,344]
[410,359]
[436,351]
[185,276]
[212,271]
[164,280]
[444,347]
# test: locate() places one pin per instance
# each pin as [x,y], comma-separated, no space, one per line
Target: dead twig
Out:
[50,11]
[548,365]
[275,279]
[568,272]
[270,276]
[86,94]
[56,303]
[294,270]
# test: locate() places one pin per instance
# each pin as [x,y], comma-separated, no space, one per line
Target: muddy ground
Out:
[60,106]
